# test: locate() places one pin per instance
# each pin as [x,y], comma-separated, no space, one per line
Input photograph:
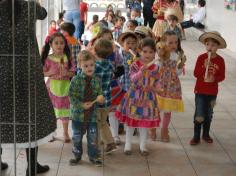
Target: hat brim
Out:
[123,35]
[174,12]
[221,40]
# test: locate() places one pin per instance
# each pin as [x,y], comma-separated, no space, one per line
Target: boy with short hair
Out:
[209,71]
[84,89]
[68,29]
[104,71]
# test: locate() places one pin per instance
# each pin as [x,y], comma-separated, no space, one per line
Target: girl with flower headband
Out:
[59,69]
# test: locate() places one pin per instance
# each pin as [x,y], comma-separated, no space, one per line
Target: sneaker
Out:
[207,139]
[74,161]
[117,140]
[97,162]
[110,148]
[194,141]
[4,166]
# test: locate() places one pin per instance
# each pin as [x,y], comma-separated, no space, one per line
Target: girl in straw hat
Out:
[209,71]
[128,41]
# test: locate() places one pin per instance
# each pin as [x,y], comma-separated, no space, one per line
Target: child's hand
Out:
[87,105]
[100,99]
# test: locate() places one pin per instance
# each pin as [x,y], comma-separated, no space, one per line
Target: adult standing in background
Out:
[27,118]
[83,17]
[148,13]
[72,15]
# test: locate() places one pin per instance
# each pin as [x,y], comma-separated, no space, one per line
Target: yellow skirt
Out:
[168,104]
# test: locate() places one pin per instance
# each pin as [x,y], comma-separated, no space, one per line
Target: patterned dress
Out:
[169,88]
[139,107]
[58,89]
[23,94]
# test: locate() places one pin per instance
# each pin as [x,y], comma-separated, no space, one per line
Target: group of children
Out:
[132,79]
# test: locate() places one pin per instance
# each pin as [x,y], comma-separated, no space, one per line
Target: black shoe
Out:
[74,161]
[97,162]
[4,166]
[40,169]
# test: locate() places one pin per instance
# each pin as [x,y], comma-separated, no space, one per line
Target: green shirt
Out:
[76,95]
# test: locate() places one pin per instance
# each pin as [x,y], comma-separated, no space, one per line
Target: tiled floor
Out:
[176,158]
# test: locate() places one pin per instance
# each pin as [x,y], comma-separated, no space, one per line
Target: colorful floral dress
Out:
[139,107]
[58,88]
[169,88]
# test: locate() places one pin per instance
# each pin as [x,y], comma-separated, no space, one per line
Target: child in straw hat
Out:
[173,17]
[209,71]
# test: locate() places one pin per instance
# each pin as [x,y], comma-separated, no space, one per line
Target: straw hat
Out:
[143,30]
[124,34]
[176,12]
[214,35]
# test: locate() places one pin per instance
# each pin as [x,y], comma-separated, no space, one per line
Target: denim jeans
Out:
[79,129]
[204,105]
[73,16]
[81,29]
[190,23]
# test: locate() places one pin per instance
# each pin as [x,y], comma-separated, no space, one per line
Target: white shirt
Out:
[200,15]
[71,4]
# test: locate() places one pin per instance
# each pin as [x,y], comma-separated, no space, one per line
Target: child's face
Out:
[88,67]
[53,25]
[172,42]
[131,26]
[64,33]
[211,46]
[148,54]
[109,18]
[129,43]
[119,23]
[172,23]
[58,45]
[134,14]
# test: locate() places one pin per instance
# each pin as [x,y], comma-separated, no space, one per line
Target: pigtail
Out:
[45,52]
[68,54]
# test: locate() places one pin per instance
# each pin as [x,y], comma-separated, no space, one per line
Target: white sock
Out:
[128,138]
[114,124]
[143,138]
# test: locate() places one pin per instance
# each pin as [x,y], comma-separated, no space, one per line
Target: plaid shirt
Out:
[125,79]
[104,71]
[75,49]
[76,95]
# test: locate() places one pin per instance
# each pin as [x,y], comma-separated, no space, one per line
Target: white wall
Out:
[222,20]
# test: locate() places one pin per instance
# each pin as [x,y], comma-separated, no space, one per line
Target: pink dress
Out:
[139,107]
[58,89]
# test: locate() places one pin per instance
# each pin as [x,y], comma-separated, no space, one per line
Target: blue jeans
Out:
[81,29]
[190,23]
[79,129]
[73,16]
[204,105]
